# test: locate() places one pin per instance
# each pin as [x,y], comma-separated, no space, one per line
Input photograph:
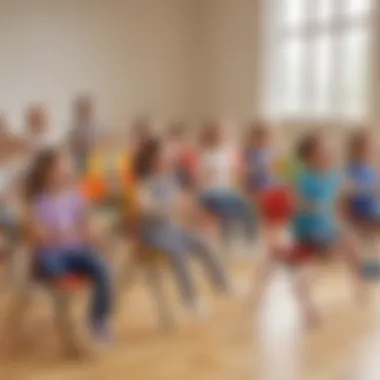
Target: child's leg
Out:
[263,273]
[198,246]
[349,248]
[244,213]
[218,204]
[169,241]
[303,293]
[50,266]
[89,263]
[154,279]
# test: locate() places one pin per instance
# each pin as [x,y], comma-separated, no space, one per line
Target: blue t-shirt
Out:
[320,191]
[364,177]
[364,201]
[258,162]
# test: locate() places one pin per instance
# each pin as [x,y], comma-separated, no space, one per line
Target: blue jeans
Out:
[178,244]
[230,208]
[52,265]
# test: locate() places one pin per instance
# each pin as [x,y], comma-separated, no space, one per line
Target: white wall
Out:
[231,58]
[165,57]
[134,55]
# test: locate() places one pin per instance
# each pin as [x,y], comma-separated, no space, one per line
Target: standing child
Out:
[63,244]
[86,131]
[37,129]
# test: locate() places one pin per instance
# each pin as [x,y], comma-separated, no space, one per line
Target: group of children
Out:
[174,191]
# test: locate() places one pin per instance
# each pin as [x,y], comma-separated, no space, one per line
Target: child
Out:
[182,154]
[258,159]
[161,211]
[11,171]
[37,129]
[62,242]
[362,196]
[86,131]
[219,177]
[364,181]
[315,226]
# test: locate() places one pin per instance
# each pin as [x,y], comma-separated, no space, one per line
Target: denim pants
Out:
[54,264]
[179,245]
[231,209]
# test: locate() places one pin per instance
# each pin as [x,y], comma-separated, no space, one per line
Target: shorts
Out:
[259,183]
[308,249]
[364,209]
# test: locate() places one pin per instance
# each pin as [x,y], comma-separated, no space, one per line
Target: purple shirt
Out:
[61,216]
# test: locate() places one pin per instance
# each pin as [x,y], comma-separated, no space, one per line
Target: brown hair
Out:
[36,178]
[357,144]
[177,129]
[307,146]
[145,157]
[257,131]
[209,134]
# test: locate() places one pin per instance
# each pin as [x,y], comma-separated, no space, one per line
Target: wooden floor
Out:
[233,344]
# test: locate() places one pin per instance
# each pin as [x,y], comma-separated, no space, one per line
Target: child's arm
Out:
[147,204]
[35,230]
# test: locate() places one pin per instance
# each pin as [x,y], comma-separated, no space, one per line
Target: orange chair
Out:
[94,189]
[71,283]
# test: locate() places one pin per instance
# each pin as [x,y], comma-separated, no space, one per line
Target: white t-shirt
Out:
[37,143]
[217,167]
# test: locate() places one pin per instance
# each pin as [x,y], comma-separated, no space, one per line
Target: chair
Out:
[149,262]
[61,292]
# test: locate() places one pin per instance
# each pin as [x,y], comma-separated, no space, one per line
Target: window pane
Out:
[354,73]
[291,68]
[294,12]
[356,7]
[324,9]
[321,75]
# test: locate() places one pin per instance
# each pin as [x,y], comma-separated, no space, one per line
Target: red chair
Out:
[298,254]
[277,204]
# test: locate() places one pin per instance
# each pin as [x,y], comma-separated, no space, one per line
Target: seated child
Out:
[57,218]
[363,180]
[258,158]
[182,154]
[316,225]
[218,182]
[160,228]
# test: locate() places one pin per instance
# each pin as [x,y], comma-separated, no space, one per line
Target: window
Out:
[318,59]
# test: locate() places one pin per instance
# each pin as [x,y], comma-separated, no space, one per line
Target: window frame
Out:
[309,30]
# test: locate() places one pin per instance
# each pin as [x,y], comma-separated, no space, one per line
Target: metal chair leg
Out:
[127,276]
[64,322]
[156,285]
[18,308]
